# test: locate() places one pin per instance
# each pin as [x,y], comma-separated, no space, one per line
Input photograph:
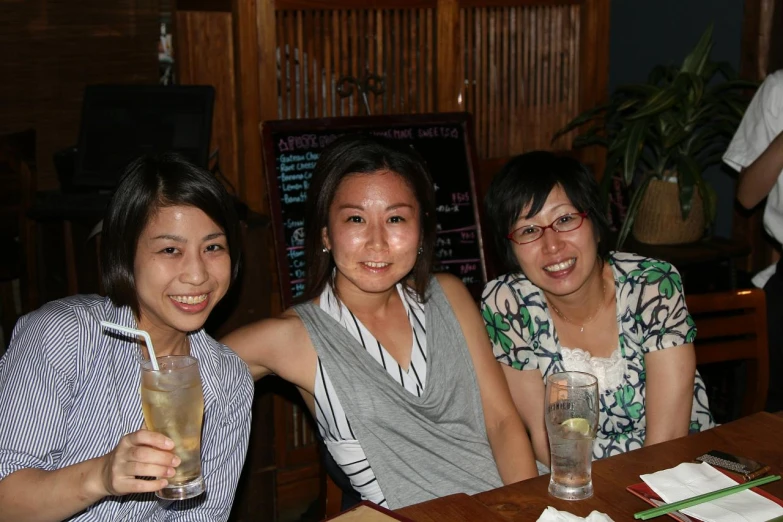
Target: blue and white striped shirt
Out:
[69,391]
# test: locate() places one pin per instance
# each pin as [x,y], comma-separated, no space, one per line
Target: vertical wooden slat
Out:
[318,66]
[308,65]
[371,34]
[505,83]
[297,81]
[481,39]
[431,61]
[379,62]
[384,57]
[251,106]
[355,100]
[413,66]
[494,79]
[404,61]
[421,19]
[290,37]
[284,94]
[336,63]
[466,18]
[448,77]
[397,98]
[343,54]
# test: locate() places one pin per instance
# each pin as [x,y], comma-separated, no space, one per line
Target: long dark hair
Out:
[364,154]
[148,184]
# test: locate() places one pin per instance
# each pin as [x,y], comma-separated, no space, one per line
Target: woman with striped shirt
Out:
[70,411]
[393,362]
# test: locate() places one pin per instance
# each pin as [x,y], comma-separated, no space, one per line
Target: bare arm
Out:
[670,376]
[72,489]
[278,346]
[756,181]
[505,431]
[257,344]
[527,391]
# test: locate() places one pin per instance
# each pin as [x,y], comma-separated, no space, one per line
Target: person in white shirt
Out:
[756,151]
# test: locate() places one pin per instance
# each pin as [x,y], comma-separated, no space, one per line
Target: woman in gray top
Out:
[394,363]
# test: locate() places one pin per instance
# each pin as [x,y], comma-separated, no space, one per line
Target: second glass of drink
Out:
[173,404]
[571,422]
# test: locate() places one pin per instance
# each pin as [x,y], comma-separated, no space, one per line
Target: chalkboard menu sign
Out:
[444,140]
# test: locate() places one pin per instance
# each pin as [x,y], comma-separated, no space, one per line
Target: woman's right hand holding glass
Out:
[139,454]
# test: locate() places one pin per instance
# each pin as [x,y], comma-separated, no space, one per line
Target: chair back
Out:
[732,326]
[17,230]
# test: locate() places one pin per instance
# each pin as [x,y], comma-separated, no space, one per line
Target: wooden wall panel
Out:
[521,74]
[205,55]
[317,48]
[51,49]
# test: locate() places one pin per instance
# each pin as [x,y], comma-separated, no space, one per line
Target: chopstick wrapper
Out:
[689,480]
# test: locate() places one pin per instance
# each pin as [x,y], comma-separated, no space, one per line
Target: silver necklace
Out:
[591,317]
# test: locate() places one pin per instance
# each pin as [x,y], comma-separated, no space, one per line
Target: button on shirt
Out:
[70,390]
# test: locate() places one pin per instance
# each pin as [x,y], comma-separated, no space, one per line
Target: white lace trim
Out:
[610,371]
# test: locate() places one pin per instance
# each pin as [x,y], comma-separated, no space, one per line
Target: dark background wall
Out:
[645,33]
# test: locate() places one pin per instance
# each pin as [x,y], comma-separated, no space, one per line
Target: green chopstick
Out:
[688,502]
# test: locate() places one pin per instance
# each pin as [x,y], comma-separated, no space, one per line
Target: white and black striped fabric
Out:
[330,416]
[69,391]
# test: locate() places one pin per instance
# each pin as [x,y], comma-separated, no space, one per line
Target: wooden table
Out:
[758,437]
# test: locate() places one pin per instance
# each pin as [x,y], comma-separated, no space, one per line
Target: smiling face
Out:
[182,269]
[559,262]
[373,232]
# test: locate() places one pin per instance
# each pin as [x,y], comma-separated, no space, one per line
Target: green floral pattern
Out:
[652,315]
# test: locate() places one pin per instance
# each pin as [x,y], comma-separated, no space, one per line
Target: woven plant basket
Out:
[659,218]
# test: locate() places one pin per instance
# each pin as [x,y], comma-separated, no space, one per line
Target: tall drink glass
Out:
[571,424]
[173,404]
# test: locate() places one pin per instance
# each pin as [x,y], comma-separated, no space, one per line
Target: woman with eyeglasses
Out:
[568,303]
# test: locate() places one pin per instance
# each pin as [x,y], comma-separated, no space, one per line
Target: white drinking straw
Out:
[133,331]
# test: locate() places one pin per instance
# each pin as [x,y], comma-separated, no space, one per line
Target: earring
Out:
[420,250]
[325,250]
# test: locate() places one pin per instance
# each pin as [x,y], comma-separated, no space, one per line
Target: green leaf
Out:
[661,101]
[633,148]
[591,138]
[697,59]
[636,89]
[633,208]
[709,200]
[582,119]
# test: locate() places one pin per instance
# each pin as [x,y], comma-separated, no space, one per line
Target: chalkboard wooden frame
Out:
[272,130]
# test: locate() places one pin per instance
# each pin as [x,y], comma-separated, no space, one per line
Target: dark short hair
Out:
[148,184]
[364,154]
[527,180]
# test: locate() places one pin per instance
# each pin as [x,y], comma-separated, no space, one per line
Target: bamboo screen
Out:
[521,70]
[316,48]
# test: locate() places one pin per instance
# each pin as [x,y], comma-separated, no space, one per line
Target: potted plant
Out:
[663,134]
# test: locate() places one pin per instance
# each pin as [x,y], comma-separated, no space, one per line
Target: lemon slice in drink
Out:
[577,424]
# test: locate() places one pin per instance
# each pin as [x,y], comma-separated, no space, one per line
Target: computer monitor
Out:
[122,122]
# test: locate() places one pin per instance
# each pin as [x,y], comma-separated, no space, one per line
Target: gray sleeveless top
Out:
[418,447]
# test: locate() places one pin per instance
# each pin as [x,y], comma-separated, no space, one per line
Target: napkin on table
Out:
[550,514]
[689,480]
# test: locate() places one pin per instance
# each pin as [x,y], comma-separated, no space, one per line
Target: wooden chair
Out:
[732,326]
[17,264]
[331,496]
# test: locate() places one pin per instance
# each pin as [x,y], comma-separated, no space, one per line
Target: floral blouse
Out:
[651,315]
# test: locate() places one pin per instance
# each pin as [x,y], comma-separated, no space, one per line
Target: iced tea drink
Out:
[571,424]
[173,404]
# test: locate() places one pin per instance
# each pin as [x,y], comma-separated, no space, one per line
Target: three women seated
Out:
[395,362]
